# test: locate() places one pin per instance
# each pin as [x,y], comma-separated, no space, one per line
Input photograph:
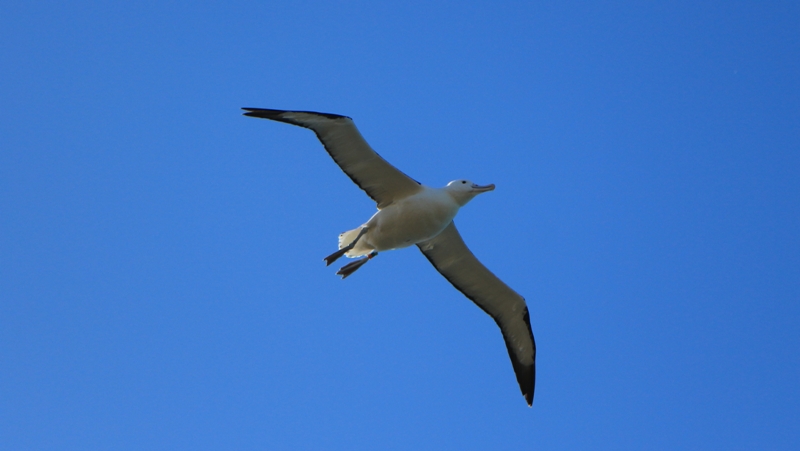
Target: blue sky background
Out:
[161,281]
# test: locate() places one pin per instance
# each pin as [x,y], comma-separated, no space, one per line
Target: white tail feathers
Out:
[347,237]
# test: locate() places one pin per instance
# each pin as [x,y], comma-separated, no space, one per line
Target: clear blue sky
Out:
[161,281]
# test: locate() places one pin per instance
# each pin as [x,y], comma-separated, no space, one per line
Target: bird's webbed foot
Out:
[351,267]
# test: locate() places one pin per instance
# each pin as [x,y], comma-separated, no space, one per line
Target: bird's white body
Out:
[405,222]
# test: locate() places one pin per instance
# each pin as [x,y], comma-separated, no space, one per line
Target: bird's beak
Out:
[482,188]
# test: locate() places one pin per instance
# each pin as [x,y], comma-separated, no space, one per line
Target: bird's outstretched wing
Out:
[451,257]
[380,180]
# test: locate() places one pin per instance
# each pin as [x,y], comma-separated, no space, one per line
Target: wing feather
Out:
[380,180]
[450,256]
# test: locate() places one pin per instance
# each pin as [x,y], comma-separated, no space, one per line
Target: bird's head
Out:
[463,190]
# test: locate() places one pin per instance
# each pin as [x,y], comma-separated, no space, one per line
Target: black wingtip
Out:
[526,374]
[275,115]
[526,377]
[529,395]
[263,113]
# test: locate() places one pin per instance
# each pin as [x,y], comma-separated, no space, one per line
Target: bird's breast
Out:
[411,220]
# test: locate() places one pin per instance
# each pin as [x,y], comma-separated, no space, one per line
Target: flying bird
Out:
[410,213]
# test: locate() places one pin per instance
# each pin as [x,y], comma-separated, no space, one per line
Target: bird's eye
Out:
[463,181]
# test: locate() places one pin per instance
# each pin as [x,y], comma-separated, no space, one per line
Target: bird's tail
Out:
[346,238]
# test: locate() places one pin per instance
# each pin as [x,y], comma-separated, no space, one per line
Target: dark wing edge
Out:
[526,374]
[373,189]
[448,253]
[275,115]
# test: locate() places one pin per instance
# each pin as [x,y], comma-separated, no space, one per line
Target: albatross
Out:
[410,213]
